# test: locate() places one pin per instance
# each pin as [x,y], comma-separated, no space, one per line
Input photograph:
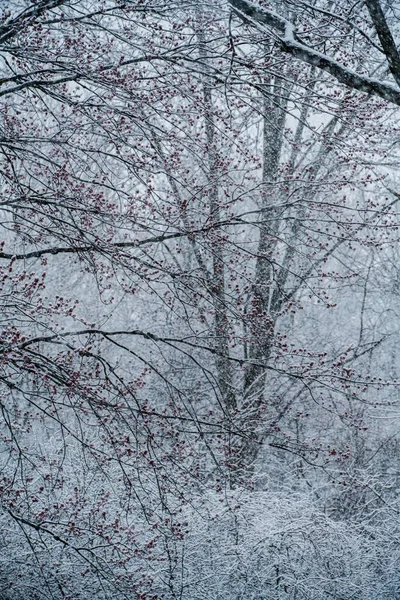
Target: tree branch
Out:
[29,15]
[291,43]
[385,37]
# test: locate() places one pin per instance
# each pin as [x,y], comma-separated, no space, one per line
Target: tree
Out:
[183,204]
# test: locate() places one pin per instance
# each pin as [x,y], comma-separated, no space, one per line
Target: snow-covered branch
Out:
[290,42]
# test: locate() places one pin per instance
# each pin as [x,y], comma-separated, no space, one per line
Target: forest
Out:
[199,299]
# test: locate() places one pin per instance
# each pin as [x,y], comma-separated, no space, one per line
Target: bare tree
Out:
[183,203]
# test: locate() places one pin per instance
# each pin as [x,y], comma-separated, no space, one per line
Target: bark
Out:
[385,37]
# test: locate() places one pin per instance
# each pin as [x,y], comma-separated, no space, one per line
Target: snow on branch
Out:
[291,43]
